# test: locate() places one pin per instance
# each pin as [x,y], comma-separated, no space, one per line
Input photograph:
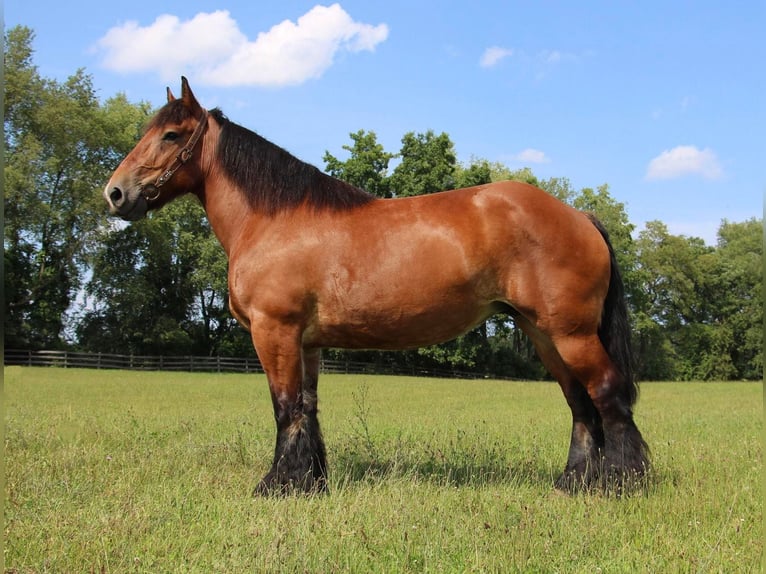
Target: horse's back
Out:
[518,221]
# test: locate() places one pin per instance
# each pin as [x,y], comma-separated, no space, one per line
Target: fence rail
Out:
[72,359]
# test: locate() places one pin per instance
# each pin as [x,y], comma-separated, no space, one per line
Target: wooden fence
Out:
[72,359]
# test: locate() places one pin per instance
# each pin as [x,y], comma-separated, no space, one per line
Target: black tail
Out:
[614,330]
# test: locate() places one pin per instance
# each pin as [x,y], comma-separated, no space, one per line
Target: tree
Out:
[159,287]
[704,312]
[558,187]
[428,165]
[367,166]
[671,285]
[477,172]
[501,172]
[736,285]
[60,146]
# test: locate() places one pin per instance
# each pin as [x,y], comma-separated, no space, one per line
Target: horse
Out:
[315,263]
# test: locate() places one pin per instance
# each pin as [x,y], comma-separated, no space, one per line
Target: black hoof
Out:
[274,484]
[606,479]
[624,481]
[572,481]
[299,465]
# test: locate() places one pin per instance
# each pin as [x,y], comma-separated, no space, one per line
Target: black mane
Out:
[272,179]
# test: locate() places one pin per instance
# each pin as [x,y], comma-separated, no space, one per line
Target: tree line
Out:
[76,279]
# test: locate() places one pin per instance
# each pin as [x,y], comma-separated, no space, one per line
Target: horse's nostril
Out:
[116,195]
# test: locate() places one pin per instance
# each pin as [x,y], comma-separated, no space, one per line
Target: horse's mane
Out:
[272,179]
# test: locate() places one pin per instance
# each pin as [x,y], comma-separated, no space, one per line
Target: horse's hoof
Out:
[612,482]
[621,482]
[571,482]
[263,489]
[273,486]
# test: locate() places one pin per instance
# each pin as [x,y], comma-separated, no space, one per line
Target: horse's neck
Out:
[227,210]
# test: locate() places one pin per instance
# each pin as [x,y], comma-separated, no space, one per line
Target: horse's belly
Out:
[398,328]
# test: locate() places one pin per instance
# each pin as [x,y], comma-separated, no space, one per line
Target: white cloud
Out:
[530,155]
[169,46]
[685,160]
[211,48]
[493,55]
[552,57]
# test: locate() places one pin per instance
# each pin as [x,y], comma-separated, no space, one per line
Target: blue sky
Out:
[663,101]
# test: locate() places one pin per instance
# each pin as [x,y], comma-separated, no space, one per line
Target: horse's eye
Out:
[170,137]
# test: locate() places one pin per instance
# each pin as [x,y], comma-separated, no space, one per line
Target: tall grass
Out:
[152,472]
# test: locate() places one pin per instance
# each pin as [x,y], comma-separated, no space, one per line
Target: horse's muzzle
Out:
[123,205]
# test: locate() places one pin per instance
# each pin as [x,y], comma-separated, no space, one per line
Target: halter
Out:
[151,191]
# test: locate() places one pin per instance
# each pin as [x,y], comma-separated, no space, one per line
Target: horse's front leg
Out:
[299,456]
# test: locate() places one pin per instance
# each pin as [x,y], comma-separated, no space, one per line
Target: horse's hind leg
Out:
[586,443]
[587,439]
[624,459]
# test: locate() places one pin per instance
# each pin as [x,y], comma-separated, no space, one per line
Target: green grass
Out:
[152,472]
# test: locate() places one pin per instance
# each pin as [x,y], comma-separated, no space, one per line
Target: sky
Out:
[662,101]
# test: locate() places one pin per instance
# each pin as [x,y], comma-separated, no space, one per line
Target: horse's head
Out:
[159,167]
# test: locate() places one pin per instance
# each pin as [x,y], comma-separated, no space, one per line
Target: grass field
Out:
[152,472]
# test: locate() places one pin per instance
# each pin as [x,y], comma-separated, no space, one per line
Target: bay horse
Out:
[315,262]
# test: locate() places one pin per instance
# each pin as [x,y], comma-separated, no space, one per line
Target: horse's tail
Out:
[614,330]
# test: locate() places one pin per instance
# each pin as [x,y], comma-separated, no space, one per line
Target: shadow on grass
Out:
[463,463]
[456,468]
[467,458]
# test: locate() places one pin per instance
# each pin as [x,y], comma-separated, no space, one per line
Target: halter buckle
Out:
[185,155]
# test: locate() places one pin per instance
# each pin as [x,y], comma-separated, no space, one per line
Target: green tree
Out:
[477,172]
[159,287]
[669,318]
[427,165]
[60,146]
[675,275]
[501,172]
[736,285]
[703,316]
[367,165]
[558,187]
[121,299]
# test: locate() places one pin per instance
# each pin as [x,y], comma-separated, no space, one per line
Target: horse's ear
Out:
[187,96]
[185,89]
[171,97]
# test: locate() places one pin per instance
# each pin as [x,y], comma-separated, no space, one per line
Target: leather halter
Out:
[151,191]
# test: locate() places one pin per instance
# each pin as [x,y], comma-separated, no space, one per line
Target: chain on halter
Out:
[151,191]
